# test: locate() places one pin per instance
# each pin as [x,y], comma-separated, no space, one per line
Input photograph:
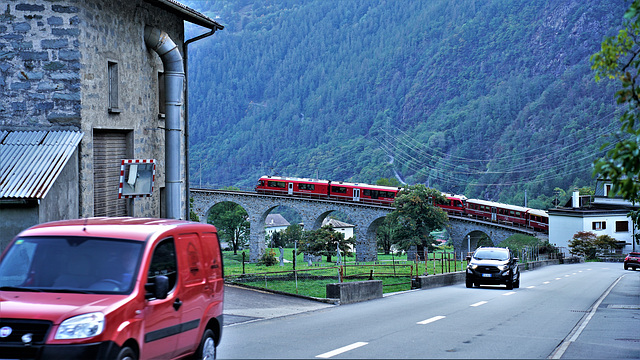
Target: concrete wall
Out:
[351,292]
[15,218]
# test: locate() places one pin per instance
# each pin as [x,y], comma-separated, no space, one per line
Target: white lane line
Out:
[430,320]
[567,275]
[558,278]
[478,303]
[341,350]
[530,287]
[547,282]
[509,293]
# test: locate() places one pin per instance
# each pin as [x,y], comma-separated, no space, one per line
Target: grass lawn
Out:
[395,272]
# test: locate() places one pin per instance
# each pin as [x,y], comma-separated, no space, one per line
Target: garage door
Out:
[109,148]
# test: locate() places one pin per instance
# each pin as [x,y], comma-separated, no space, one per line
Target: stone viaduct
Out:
[465,232]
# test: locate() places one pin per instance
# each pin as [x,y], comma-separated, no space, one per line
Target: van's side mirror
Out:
[468,258]
[158,289]
[515,260]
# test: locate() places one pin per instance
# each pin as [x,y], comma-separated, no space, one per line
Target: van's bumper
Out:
[99,351]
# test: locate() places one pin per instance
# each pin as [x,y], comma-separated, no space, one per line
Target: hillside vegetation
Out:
[482,98]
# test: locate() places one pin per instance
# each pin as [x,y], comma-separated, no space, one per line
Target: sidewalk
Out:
[611,331]
[242,305]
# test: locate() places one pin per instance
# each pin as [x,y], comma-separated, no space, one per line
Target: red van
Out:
[112,288]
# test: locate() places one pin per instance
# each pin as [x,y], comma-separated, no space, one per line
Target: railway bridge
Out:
[465,232]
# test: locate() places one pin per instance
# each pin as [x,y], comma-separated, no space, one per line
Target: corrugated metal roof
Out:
[30,161]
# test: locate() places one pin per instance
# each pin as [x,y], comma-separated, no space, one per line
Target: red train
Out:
[385,195]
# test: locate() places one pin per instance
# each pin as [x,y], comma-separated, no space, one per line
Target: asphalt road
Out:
[584,311]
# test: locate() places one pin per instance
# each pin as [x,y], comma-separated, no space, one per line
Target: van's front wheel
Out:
[126,354]
[207,348]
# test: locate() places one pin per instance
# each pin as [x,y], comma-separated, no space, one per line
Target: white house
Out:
[339,226]
[275,222]
[605,215]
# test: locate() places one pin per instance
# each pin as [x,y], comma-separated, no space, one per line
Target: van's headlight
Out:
[472,266]
[81,326]
[503,267]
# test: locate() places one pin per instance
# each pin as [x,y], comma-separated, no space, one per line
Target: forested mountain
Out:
[482,98]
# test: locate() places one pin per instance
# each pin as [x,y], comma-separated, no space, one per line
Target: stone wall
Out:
[54,75]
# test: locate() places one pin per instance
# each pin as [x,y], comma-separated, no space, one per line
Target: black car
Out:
[493,266]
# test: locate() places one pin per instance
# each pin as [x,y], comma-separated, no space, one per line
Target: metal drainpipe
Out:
[162,44]
[186,119]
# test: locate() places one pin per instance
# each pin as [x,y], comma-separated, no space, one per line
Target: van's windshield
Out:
[71,264]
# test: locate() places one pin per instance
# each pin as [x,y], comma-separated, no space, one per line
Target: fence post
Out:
[426,261]
[243,258]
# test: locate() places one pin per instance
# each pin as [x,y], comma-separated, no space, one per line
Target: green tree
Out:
[415,217]
[232,223]
[292,234]
[619,59]
[325,241]
[389,182]
[583,244]
[192,215]
[589,245]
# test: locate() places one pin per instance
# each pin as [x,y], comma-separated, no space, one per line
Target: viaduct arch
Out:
[465,232]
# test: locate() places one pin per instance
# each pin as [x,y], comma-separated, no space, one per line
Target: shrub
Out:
[268,258]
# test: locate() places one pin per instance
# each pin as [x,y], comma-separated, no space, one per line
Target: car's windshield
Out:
[492,254]
[70,264]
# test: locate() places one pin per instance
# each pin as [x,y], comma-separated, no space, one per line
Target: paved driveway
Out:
[243,304]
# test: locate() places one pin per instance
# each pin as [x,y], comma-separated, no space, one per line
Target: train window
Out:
[306,186]
[512,213]
[261,183]
[339,189]
[366,192]
[277,184]
[518,214]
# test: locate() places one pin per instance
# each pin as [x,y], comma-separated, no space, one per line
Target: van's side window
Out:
[164,262]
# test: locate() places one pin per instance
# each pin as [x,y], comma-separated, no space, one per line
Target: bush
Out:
[268,258]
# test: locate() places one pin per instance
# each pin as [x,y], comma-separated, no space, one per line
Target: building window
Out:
[113,87]
[598,225]
[607,189]
[622,226]
[161,96]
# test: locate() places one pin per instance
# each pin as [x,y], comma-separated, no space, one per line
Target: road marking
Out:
[509,293]
[558,278]
[577,330]
[478,303]
[567,275]
[547,282]
[430,320]
[341,350]
[530,287]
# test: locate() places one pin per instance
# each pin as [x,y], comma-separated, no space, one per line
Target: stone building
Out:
[110,74]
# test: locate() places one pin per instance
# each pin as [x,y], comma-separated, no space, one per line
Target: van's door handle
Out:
[177,304]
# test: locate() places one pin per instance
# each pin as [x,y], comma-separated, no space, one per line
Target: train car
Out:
[538,219]
[533,218]
[373,194]
[494,211]
[454,204]
[276,185]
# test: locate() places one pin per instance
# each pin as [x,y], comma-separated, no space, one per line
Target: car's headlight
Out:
[472,266]
[503,267]
[81,326]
